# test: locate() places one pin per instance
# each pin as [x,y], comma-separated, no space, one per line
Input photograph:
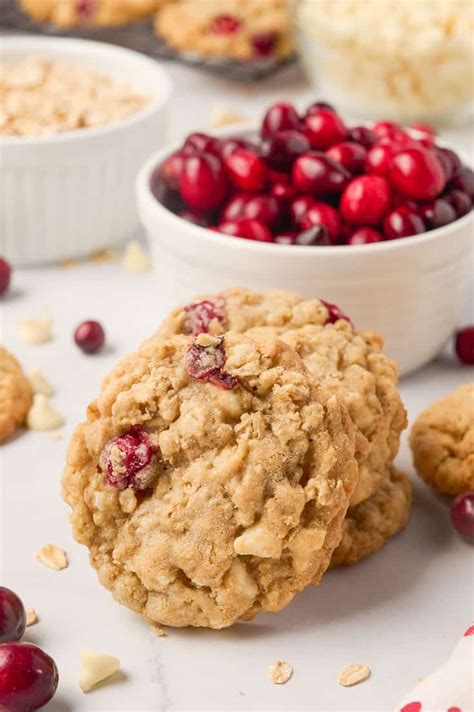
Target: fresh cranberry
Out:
[299,206]
[365,236]
[449,160]
[264,208]
[317,105]
[200,315]
[247,171]
[285,238]
[464,180]
[386,128]
[402,222]
[206,364]
[424,129]
[460,201]
[235,207]
[127,460]
[12,616]
[316,173]
[350,155]
[436,213]
[399,140]
[264,43]
[317,235]
[365,200]
[248,229]
[379,158]
[464,345]
[225,25]
[334,313]
[28,677]
[201,143]
[324,128]
[462,515]
[279,117]
[197,218]
[284,147]
[5,275]
[171,169]
[85,9]
[399,200]
[229,146]
[363,135]
[89,336]
[281,188]
[323,214]
[418,173]
[204,182]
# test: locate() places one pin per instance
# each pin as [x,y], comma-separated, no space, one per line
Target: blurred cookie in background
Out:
[68,13]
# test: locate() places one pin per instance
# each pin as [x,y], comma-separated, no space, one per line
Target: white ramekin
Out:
[69,194]
[410,290]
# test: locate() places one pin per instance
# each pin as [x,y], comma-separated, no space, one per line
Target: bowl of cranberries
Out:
[376,218]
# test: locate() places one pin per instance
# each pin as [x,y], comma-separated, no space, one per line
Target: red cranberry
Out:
[449,160]
[323,214]
[199,315]
[285,238]
[424,129]
[235,207]
[334,313]
[436,213]
[279,117]
[464,180]
[464,345]
[399,140]
[462,515]
[5,275]
[418,173]
[316,173]
[264,43]
[172,169]
[201,143]
[402,222]
[379,158]
[460,201]
[247,171]
[264,208]
[317,105]
[127,460]
[225,25]
[248,229]
[89,336]
[365,236]
[85,9]
[12,616]
[284,147]
[386,128]
[350,155]
[206,364]
[28,677]
[201,219]
[299,206]
[229,146]
[365,200]
[324,128]
[281,187]
[363,135]
[317,235]
[204,183]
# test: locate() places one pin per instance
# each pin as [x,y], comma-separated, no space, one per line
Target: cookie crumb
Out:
[225,116]
[352,674]
[135,259]
[279,672]
[31,617]
[40,383]
[159,632]
[95,667]
[42,415]
[36,331]
[53,556]
[103,256]
[68,264]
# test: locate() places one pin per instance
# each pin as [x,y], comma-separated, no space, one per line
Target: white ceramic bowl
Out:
[69,194]
[409,290]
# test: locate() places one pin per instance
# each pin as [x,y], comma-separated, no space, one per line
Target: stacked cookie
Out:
[243,449]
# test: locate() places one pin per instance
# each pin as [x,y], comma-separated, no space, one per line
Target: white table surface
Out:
[400,611]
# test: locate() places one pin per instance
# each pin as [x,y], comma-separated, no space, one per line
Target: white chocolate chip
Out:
[42,415]
[40,383]
[135,259]
[31,617]
[36,331]
[279,672]
[352,674]
[225,116]
[96,667]
[52,556]
[257,541]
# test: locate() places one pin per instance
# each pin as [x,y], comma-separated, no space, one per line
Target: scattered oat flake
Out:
[52,556]
[31,617]
[104,256]
[135,258]
[35,331]
[159,632]
[352,674]
[42,415]
[279,672]
[95,667]
[40,383]
[225,116]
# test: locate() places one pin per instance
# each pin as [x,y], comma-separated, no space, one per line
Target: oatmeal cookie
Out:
[68,13]
[15,395]
[369,525]
[211,479]
[235,29]
[442,441]
[352,364]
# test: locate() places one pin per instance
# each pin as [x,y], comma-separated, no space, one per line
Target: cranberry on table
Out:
[264,208]
[324,128]
[316,173]
[317,235]
[418,173]
[323,214]
[436,213]
[366,200]
[464,345]
[248,229]
[464,180]
[264,43]
[402,222]
[350,155]
[462,515]
[280,117]
[363,135]
[284,147]
[204,183]
[12,616]
[247,171]
[199,142]
[225,25]
[28,677]
[5,275]
[365,236]
[89,336]
[299,206]
[460,201]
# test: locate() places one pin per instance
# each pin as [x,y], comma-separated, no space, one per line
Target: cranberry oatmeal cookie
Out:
[442,440]
[352,364]
[236,29]
[211,479]
[15,395]
[68,13]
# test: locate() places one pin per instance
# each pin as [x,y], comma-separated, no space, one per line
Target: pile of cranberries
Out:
[28,676]
[312,180]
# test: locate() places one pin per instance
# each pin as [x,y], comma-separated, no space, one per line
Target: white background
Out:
[400,611]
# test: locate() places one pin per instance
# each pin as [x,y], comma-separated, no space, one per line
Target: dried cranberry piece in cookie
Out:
[200,315]
[205,361]
[334,313]
[128,460]
[86,8]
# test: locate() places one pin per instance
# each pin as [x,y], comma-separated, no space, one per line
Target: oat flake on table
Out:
[31,617]
[352,674]
[279,672]
[53,556]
